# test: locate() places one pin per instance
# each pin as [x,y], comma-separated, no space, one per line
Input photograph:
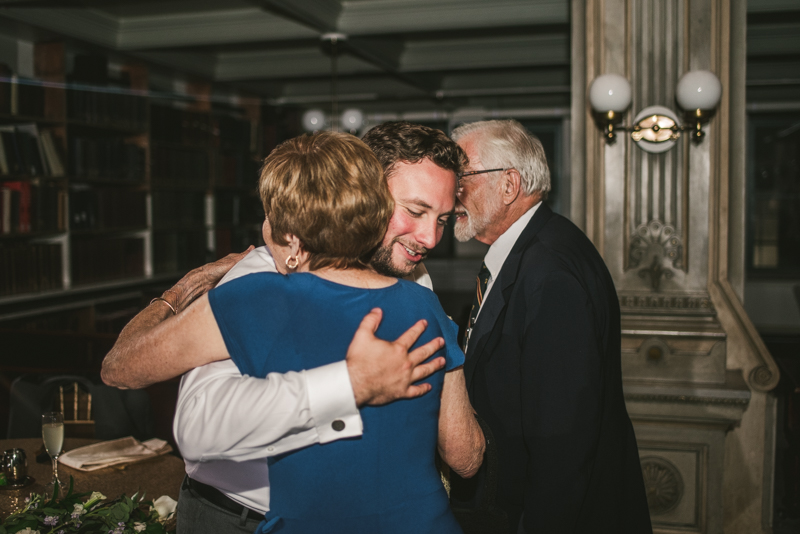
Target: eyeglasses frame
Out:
[473,173]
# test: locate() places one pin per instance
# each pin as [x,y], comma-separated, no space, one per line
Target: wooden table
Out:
[156,477]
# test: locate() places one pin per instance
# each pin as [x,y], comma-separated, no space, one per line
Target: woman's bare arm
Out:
[150,353]
[132,363]
[461,442]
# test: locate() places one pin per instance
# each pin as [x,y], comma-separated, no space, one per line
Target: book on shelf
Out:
[176,165]
[52,154]
[20,193]
[179,251]
[109,158]
[106,208]
[26,208]
[105,259]
[30,267]
[23,151]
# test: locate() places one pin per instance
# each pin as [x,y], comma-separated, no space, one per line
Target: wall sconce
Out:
[656,128]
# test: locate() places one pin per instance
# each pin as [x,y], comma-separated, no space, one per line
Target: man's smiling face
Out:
[424,198]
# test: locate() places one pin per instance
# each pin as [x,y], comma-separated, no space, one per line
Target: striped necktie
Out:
[481,282]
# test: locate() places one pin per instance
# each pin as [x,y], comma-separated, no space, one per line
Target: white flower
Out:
[97,496]
[77,511]
[165,506]
[138,527]
[27,530]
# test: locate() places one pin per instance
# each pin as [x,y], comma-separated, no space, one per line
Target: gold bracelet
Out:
[165,301]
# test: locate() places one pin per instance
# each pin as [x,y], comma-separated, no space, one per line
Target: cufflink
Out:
[338,425]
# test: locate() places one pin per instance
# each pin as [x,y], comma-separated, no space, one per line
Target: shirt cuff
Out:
[332,403]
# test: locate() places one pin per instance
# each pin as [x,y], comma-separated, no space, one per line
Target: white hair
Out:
[507,144]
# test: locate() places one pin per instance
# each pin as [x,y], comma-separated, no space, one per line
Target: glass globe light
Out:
[351,120]
[313,120]
[610,92]
[698,89]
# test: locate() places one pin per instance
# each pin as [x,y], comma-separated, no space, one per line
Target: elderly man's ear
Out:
[512,186]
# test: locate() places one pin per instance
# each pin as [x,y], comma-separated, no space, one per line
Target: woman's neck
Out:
[363,278]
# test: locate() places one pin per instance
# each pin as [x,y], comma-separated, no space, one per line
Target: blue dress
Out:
[384,481]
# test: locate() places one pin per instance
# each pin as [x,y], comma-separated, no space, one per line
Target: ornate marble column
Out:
[697,375]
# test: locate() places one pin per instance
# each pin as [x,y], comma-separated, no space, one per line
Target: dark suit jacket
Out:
[543,370]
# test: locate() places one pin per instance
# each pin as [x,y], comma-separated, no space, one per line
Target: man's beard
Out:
[476,223]
[382,261]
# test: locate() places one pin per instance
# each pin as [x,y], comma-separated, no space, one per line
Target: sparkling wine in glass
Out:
[53,437]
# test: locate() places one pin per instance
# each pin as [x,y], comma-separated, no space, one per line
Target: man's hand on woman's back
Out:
[385,371]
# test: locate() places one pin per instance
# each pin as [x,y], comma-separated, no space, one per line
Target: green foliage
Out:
[85,513]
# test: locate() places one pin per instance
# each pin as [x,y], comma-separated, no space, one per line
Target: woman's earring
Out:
[294,262]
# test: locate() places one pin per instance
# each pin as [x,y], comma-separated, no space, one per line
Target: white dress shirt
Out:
[501,248]
[226,424]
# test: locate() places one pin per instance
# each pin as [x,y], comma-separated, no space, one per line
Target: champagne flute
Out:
[53,437]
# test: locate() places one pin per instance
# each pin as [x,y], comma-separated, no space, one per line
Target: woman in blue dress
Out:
[327,208]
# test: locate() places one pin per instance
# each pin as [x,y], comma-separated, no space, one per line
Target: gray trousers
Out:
[198,516]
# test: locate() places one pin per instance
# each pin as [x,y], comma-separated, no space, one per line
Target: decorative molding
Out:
[763,378]
[665,303]
[686,399]
[663,484]
[655,238]
[656,184]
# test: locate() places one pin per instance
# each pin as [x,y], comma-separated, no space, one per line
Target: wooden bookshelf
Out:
[108,186]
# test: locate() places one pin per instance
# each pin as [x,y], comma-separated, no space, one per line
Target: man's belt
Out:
[215,496]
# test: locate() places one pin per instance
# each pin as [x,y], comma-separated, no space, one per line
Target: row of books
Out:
[106,209]
[106,158]
[235,208]
[30,267]
[25,208]
[27,151]
[234,134]
[105,259]
[107,106]
[179,209]
[172,125]
[179,166]
[20,96]
[230,240]
[237,169]
[179,251]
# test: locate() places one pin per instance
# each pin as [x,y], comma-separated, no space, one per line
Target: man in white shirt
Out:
[226,424]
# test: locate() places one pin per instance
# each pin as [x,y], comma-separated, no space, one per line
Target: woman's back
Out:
[384,481]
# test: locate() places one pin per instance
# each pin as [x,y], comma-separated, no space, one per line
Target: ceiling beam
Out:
[320,15]
[254,24]
[773,39]
[403,16]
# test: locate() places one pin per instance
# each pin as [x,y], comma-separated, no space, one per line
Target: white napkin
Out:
[115,452]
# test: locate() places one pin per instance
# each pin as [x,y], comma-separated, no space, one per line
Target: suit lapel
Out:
[500,293]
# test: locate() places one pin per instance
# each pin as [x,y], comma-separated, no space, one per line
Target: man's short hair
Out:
[327,189]
[504,144]
[397,141]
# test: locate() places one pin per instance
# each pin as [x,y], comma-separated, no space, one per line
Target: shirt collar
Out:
[502,246]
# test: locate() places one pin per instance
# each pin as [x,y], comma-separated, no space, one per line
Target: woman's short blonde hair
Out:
[327,189]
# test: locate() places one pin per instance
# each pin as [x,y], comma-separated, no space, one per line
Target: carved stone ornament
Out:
[761,378]
[651,244]
[663,484]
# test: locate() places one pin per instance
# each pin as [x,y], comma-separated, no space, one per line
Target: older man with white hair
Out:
[543,353]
